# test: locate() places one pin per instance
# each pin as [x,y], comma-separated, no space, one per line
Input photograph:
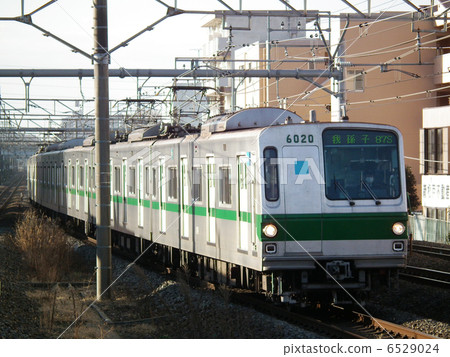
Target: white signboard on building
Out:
[436,191]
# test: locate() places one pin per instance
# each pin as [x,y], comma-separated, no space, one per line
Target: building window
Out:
[433,151]
[355,80]
[173,183]
[225,185]
[197,184]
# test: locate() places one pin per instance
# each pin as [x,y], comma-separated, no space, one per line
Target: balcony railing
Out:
[429,229]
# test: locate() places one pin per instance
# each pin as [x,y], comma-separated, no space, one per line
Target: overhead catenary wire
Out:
[111,284]
[412,48]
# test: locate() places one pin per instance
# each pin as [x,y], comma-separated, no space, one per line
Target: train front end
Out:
[334,212]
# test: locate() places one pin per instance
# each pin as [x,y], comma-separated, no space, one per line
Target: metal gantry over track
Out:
[40,121]
[29,120]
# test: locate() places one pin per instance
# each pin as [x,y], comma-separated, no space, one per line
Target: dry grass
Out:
[44,246]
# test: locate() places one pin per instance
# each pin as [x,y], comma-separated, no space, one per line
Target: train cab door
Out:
[302,198]
[185,205]
[140,192]
[162,197]
[124,190]
[211,200]
[244,202]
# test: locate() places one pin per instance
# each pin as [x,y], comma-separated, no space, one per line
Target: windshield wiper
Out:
[371,193]
[339,186]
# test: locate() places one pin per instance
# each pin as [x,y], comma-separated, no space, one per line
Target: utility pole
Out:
[338,105]
[102,171]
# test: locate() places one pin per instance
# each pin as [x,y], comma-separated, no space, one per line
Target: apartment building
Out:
[390,64]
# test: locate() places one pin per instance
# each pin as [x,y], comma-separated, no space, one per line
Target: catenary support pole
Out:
[102,170]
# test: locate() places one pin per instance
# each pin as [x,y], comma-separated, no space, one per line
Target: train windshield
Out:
[361,164]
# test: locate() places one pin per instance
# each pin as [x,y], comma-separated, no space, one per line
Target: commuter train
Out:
[259,199]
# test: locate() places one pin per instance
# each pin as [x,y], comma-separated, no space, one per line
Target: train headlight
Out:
[270,230]
[398,228]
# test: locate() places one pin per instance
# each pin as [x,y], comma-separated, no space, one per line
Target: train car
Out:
[259,198]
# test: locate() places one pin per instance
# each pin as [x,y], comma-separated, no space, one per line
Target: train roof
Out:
[249,119]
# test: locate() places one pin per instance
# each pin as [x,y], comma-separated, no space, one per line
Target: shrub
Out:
[44,246]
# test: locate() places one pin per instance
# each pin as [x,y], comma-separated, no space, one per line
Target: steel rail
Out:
[307,322]
[11,189]
[393,330]
[440,252]
[426,276]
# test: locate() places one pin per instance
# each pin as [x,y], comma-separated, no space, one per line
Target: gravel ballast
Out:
[147,304]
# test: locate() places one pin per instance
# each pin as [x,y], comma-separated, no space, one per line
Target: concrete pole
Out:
[102,171]
[338,107]
[268,67]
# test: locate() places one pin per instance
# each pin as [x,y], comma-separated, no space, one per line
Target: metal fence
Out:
[429,229]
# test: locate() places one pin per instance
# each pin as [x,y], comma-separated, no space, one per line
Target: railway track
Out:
[426,276]
[435,251]
[386,329]
[335,322]
[8,191]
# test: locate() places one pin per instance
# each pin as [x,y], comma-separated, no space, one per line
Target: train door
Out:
[162,196]
[185,206]
[211,201]
[61,185]
[55,184]
[113,184]
[77,183]
[86,186]
[244,203]
[140,192]
[35,179]
[124,189]
[302,196]
[69,184]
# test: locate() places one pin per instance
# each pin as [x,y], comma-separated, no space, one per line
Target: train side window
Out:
[81,177]
[272,189]
[132,181]
[197,184]
[173,183]
[225,185]
[72,183]
[147,181]
[117,179]
[154,182]
[93,177]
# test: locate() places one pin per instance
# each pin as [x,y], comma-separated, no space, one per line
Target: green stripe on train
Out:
[354,226]
[302,227]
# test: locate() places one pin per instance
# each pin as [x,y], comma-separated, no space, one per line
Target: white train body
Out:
[331,194]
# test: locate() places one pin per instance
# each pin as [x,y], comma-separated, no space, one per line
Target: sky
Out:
[23,46]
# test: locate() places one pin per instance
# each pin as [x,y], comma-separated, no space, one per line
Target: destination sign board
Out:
[349,137]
